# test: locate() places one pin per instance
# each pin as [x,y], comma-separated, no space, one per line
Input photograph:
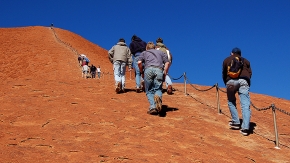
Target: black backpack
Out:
[235,68]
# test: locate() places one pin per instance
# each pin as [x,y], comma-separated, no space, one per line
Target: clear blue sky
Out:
[199,33]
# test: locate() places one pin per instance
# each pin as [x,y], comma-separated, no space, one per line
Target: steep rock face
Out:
[49,113]
[37,51]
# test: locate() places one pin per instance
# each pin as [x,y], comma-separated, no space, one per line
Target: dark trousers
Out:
[93,74]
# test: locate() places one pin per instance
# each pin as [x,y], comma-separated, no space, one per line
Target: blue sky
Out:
[199,33]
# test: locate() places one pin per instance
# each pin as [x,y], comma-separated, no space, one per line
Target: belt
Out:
[157,67]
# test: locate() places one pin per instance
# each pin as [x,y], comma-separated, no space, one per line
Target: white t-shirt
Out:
[85,68]
[169,58]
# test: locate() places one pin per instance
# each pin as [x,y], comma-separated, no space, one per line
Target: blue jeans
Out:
[153,79]
[119,72]
[138,76]
[241,86]
[99,74]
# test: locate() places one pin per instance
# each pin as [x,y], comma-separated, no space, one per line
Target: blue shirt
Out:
[153,57]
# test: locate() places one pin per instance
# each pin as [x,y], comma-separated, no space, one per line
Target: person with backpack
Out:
[84,61]
[137,46]
[120,56]
[236,74]
[156,65]
[162,47]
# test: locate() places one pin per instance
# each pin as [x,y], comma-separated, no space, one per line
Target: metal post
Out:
[184,75]
[275,127]
[218,98]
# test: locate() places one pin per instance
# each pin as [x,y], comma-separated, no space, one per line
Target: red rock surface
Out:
[49,113]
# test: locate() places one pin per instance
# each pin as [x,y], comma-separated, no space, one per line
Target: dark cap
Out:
[236,51]
[133,37]
[122,40]
[159,40]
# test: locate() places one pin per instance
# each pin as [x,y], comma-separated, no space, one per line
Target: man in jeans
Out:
[120,56]
[137,46]
[241,84]
[154,62]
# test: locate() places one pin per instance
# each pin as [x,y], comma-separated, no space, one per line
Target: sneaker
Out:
[118,87]
[123,90]
[143,86]
[158,103]
[152,111]
[234,126]
[169,90]
[244,132]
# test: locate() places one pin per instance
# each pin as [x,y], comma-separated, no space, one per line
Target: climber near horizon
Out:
[236,74]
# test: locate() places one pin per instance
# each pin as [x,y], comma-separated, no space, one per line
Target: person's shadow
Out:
[132,90]
[166,109]
[252,126]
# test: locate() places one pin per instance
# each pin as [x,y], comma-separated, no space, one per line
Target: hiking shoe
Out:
[244,132]
[158,103]
[152,111]
[234,126]
[169,90]
[118,87]
[143,86]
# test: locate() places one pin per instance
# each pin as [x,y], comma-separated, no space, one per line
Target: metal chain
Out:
[222,90]
[261,109]
[282,111]
[200,89]
[66,44]
[200,101]
[175,78]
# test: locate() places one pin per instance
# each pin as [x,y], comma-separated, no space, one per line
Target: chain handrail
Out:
[200,89]
[200,101]
[222,90]
[261,109]
[65,43]
[282,111]
[176,78]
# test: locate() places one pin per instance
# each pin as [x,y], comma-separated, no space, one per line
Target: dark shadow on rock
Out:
[166,109]
[252,127]
[130,90]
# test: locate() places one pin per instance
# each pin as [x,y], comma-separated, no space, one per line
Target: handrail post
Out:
[184,75]
[218,98]
[275,127]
